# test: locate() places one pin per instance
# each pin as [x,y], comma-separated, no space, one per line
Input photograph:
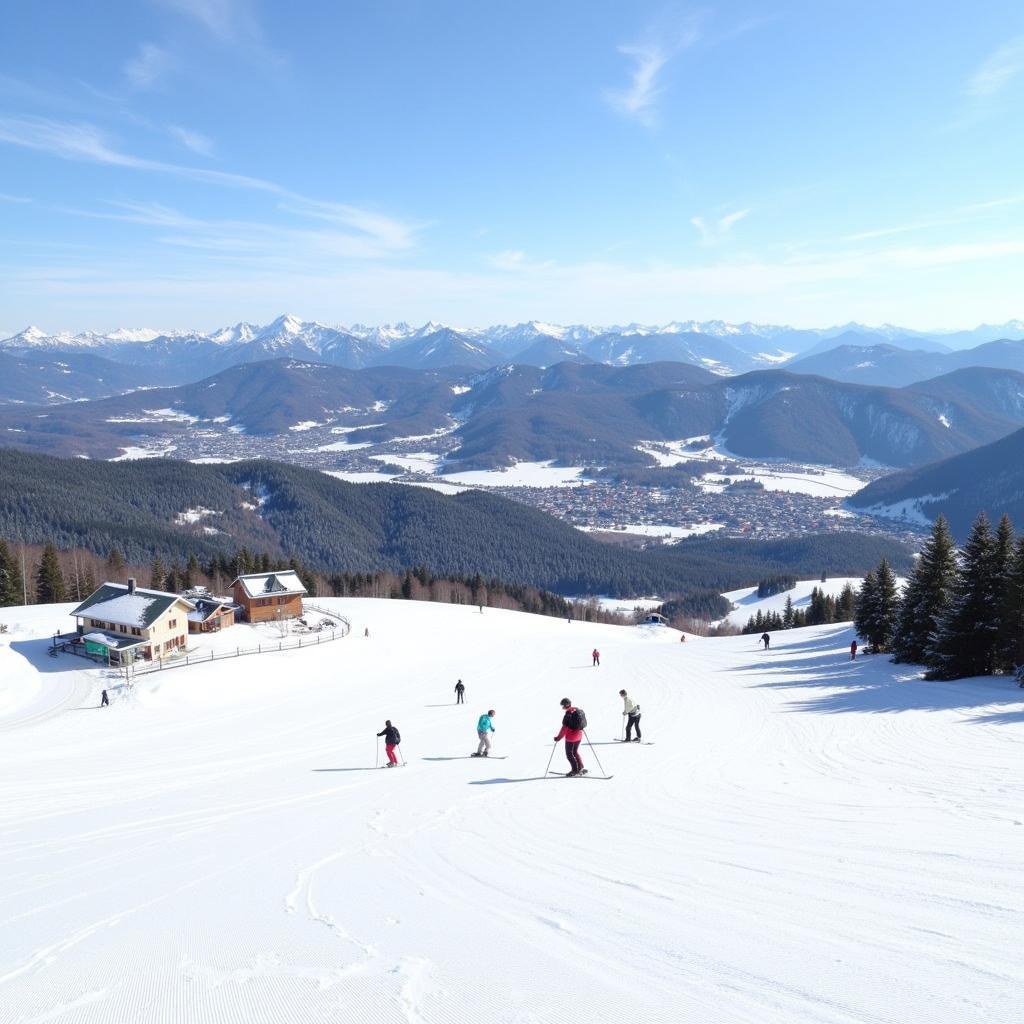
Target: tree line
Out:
[961,613]
[822,609]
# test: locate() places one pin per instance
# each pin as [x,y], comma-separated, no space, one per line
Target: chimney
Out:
[131,584]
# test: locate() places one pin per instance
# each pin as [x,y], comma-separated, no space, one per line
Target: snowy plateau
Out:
[809,840]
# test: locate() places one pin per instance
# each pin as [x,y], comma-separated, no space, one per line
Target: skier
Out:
[104,700]
[366,632]
[392,737]
[596,655]
[853,650]
[766,640]
[574,721]
[484,727]
[460,692]
[631,712]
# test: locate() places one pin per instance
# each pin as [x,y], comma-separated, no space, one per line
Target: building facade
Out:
[269,596]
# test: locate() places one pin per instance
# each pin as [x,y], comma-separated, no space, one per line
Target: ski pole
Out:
[376,760]
[400,754]
[623,728]
[594,752]
[551,758]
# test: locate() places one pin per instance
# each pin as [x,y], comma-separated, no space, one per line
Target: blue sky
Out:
[190,163]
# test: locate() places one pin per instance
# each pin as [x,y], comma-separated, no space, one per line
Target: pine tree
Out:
[115,565]
[967,634]
[846,604]
[11,592]
[1002,569]
[875,611]
[863,613]
[787,614]
[1011,645]
[157,574]
[50,588]
[926,596]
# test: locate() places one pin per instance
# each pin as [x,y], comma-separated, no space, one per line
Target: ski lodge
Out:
[121,622]
[211,614]
[269,596]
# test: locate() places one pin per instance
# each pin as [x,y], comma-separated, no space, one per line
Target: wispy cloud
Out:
[638,99]
[195,141]
[353,232]
[148,66]
[718,229]
[661,41]
[998,69]
[229,22]
[6,197]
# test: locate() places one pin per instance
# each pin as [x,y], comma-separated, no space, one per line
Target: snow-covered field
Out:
[748,603]
[666,533]
[810,841]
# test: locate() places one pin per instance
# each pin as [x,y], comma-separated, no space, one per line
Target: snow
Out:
[305,425]
[810,840]
[829,483]
[944,420]
[412,462]
[748,603]
[910,510]
[134,452]
[665,532]
[344,446]
[193,515]
[522,474]
[126,610]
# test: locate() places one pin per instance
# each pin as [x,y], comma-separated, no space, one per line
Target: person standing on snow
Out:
[573,724]
[392,737]
[853,650]
[766,640]
[460,692]
[484,728]
[104,700]
[596,655]
[631,711]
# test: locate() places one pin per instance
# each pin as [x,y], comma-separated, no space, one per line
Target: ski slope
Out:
[747,602]
[809,841]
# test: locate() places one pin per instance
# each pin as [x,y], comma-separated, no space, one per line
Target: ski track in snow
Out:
[809,840]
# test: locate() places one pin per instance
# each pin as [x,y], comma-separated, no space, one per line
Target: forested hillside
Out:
[175,509]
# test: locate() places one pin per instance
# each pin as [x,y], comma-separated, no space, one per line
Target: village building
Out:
[212,614]
[269,596]
[122,622]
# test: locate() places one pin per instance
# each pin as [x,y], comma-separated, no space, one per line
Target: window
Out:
[172,623]
[136,631]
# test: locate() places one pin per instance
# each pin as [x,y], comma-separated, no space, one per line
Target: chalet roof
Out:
[271,584]
[205,607]
[112,603]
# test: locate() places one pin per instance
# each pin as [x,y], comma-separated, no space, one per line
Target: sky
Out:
[193,163]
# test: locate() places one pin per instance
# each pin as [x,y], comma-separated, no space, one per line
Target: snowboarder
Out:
[631,712]
[104,700]
[596,655]
[392,737]
[574,721]
[853,650]
[460,693]
[484,727]
[766,640]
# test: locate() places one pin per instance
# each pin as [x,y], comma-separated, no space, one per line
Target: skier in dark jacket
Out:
[573,736]
[460,691]
[392,737]
[766,640]
[104,700]
[853,650]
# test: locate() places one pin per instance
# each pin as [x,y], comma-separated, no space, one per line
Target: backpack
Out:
[576,719]
[398,736]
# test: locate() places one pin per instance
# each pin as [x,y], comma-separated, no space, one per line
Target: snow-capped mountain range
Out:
[724,348]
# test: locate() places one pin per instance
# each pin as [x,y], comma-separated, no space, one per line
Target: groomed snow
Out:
[748,603]
[522,474]
[810,841]
[830,483]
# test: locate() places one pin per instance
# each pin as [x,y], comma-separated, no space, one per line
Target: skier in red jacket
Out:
[596,655]
[572,733]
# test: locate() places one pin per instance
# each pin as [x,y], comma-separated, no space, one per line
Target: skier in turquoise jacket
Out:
[484,728]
